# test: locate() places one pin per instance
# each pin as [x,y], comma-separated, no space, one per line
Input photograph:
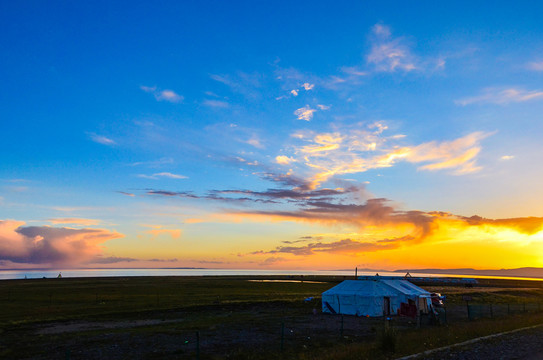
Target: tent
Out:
[375,296]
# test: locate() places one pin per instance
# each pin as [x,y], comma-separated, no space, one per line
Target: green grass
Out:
[53,299]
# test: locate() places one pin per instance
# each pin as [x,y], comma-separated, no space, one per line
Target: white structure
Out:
[375,296]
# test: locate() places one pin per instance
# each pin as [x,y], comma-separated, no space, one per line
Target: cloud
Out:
[377,217]
[154,163]
[294,92]
[255,141]
[216,104]
[345,246]
[246,84]
[111,260]
[101,139]
[502,96]
[163,175]
[51,246]
[390,54]
[305,113]
[458,154]
[323,107]
[507,157]
[308,86]
[77,221]
[168,95]
[126,193]
[356,149]
[163,95]
[535,66]
[283,160]
[173,233]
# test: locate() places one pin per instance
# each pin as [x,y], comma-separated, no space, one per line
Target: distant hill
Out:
[532,272]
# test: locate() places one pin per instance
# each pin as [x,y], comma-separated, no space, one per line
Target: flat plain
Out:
[238,317]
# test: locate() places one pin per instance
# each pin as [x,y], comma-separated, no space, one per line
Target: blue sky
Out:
[249,134]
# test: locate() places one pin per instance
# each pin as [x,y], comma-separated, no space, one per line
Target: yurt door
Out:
[386,306]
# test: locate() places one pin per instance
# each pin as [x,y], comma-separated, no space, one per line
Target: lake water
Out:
[38,274]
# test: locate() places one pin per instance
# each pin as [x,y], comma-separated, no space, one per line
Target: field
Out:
[236,318]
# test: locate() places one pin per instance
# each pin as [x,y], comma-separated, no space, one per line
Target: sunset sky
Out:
[271,134]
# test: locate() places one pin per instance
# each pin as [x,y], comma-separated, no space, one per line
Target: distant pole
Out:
[356,273]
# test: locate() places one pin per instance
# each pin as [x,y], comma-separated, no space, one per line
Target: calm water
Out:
[38,274]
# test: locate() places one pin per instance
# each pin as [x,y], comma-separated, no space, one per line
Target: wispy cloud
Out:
[216,104]
[162,175]
[75,221]
[154,163]
[163,95]
[173,233]
[507,157]
[100,139]
[355,149]
[502,96]
[308,86]
[390,54]
[247,84]
[535,66]
[126,193]
[304,113]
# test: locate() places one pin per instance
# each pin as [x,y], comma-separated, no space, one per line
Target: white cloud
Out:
[255,141]
[323,107]
[305,113]
[168,95]
[308,86]
[101,139]
[294,92]
[163,95]
[283,160]
[502,96]
[507,157]
[216,104]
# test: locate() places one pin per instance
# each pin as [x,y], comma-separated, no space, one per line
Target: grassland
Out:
[160,317]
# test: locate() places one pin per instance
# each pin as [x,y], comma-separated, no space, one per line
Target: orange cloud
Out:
[52,246]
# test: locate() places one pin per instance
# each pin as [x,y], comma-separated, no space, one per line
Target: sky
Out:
[312,135]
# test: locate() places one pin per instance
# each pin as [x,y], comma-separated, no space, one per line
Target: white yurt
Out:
[375,296]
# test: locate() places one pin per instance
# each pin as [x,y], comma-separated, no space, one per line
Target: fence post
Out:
[197,345]
[282,336]
[491,312]
[341,329]
[469,313]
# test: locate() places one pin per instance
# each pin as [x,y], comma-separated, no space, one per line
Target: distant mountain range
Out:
[531,272]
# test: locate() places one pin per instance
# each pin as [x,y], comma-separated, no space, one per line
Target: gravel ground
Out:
[525,345]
